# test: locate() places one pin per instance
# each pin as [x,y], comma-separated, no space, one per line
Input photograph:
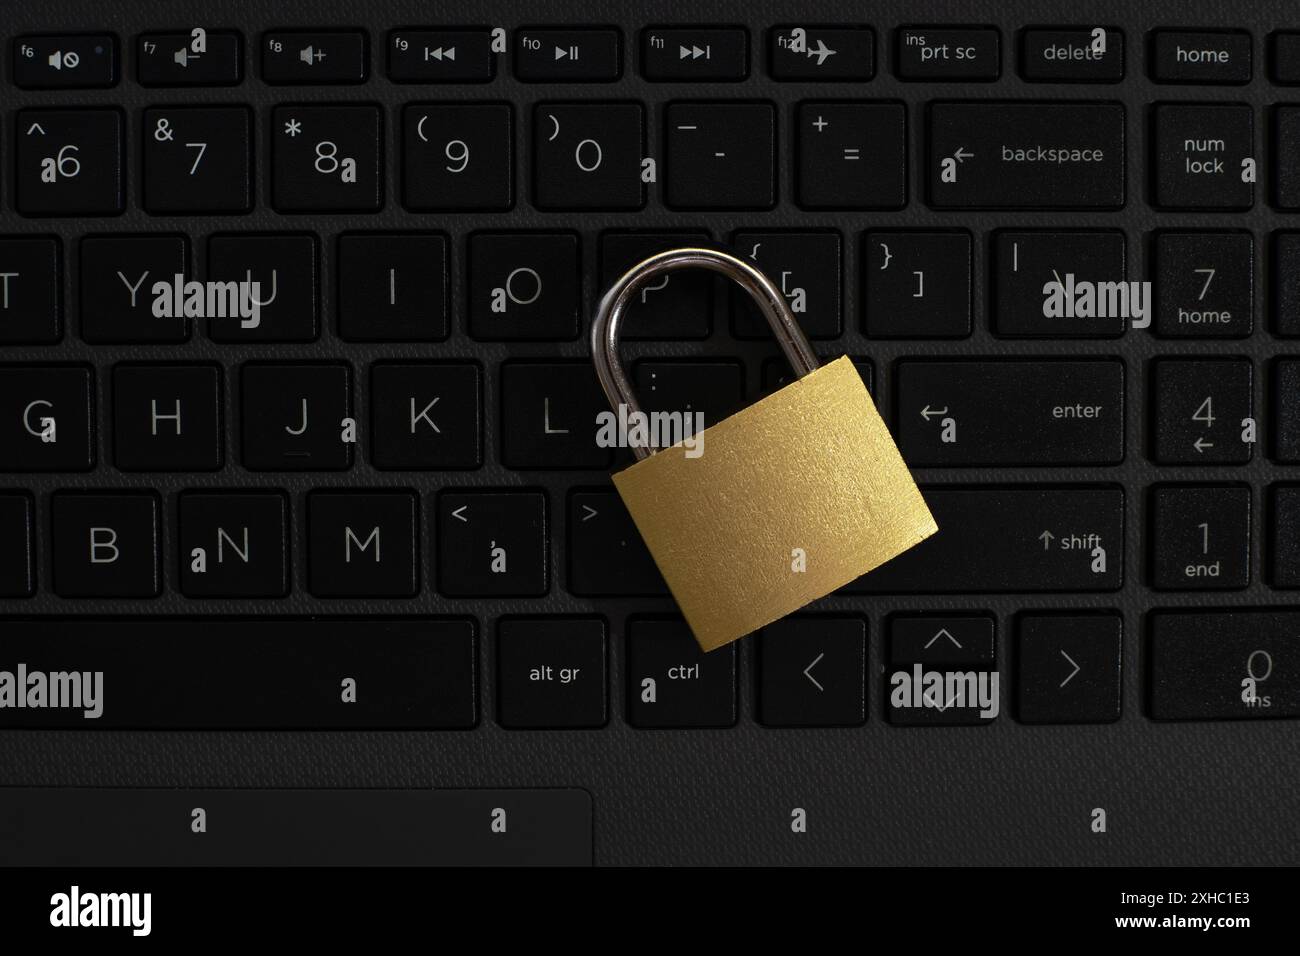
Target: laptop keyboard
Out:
[369,495]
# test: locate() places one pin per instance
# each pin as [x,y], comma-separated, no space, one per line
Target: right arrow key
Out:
[1068,668]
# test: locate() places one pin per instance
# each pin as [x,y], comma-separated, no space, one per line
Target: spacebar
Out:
[121,827]
[222,673]
[1053,538]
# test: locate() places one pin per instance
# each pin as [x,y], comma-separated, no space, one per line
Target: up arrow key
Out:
[35,128]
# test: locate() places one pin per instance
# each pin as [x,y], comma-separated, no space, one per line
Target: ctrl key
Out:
[672,683]
[1225,665]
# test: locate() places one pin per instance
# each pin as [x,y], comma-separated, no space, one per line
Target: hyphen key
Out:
[1026,155]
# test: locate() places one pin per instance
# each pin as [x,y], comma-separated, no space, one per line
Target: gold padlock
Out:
[790,498]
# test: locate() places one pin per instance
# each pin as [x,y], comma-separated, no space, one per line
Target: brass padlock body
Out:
[807,477]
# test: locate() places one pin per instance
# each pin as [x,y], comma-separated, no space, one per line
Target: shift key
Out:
[1026,155]
[1011,412]
[1011,540]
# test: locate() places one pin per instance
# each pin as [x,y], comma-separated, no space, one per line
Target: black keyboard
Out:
[301,506]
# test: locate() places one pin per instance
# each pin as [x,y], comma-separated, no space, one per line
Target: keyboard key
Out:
[104,545]
[806,265]
[1202,56]
[918,285]
[1072,55]
[1286,145]
[281,827]
[31,285]
[118,276]
[1284,543]
[426,415]
[1224,665]
[458,156]
[197,160]
[292,673]
[300,57]
[812,672]
[686,54]
[1069,668]
[958,648]
[65,61]
[588,156]
[1286,57]
[363,544]
[198,58]
[1026,155]
[70,162]
[1202,154]
[326,159]
[441,56]
[167,418]
[548,416]
[284,266]
[392,288]
[18,553]
[1011,540]
[852,156]
[1079,264]
[568,56]
[234,544]
[492,544]
[721,155]
[1200,537]
[715,390]
[1286,410]
[948,53]
[1205,284]
[676,306]
[46,418]
[822,53]
[672,683]
[1201,408]
[551,673]
[293,417]
[1286,283]
[606,553]
[942,639]
[524,286]
[1011,412]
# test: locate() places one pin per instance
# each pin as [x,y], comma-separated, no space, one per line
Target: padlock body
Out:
[791,498]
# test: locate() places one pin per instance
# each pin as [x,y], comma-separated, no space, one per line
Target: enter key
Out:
[960,413]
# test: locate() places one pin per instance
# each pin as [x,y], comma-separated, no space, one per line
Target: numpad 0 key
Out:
[364,535]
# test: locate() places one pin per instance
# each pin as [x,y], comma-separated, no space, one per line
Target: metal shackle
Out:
[613,307]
